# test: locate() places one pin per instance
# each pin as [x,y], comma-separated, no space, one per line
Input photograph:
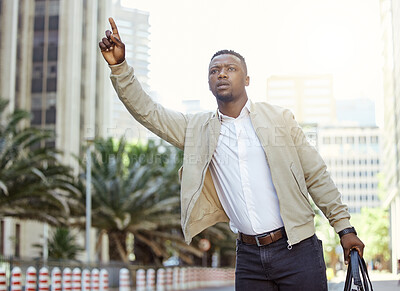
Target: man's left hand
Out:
[351,241]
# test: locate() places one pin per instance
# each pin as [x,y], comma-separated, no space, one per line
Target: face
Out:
[227,78]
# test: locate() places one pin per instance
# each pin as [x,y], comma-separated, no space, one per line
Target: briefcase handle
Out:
[357,265]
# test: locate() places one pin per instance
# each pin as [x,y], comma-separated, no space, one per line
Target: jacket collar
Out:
[247,107]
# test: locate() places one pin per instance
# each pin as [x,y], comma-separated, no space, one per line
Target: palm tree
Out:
[62,245]
[133,193]
[33,183]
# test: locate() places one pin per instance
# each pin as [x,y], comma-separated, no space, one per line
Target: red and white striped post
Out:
[204,277]
[67,280]
[200,277]
[103,280]
[150,279]
[168,279]
[140,280]
[76,279]
[190,278]
[232,276]
[85,280]
[56,279]
[16,284]
[183,278]
[30,279]
[175,279]
[197,277]
[124,282]
[214,277]
[160,279]
[95,280]
[3,280]
[43,279]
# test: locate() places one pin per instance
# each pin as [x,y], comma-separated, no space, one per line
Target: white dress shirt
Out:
[242,177]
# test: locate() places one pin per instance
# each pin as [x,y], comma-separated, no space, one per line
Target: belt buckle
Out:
[256,237]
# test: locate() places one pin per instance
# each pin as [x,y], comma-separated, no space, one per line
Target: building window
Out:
[374,139]
[51,85]
[350,139]
[17,240]
[37,117]
[53,22]
[326,140]
[39,23]
[2,237]
[37,54]
[52,53]
[338,140]
[51,115]
[362,140]
[37,85]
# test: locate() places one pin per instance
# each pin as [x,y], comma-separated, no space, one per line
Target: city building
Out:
[352,155]
[343,132]
[51,66]
[310,97]
[390,23]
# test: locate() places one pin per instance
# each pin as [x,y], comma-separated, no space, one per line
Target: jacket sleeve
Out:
[321,187]
[168,124]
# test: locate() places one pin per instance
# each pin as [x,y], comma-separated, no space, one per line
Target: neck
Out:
[233,108]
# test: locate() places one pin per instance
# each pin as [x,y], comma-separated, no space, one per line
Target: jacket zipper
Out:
[201,184]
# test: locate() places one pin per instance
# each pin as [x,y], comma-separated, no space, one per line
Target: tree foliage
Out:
[62,245]
[33,183]
[135,190]
[372,225]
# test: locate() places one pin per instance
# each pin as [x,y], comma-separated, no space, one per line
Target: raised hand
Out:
[111,46]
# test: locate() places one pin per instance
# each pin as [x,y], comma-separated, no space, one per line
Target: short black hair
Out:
[231,52]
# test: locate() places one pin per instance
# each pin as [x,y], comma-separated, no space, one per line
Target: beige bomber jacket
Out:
[296,167]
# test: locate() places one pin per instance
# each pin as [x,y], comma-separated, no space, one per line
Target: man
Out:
[249,164]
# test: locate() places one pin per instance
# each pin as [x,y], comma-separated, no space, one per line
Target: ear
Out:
[247,81]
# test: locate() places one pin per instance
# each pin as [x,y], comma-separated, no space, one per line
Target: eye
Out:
[212,72]
[231,69]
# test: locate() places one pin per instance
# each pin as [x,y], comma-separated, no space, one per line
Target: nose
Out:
[222,74]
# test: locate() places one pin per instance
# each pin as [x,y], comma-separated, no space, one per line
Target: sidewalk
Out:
[380,282]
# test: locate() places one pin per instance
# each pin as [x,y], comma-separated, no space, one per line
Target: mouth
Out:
[223,85]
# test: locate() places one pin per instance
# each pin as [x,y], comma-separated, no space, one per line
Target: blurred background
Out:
[64,132]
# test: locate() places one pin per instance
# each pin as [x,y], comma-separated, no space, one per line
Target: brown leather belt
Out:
[261,239]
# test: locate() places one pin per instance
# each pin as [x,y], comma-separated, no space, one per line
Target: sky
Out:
[341,37]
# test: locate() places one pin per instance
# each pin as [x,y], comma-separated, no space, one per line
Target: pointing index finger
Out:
[114,27]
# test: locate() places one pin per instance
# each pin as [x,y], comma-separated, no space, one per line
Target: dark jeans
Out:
[275,267]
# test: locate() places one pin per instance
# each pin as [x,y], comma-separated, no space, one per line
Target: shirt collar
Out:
[244,112]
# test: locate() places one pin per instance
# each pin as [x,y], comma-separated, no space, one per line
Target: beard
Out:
[227,97]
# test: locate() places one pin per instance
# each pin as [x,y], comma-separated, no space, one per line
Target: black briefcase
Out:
[355,281]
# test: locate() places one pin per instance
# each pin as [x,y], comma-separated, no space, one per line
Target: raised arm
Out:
[168,124]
